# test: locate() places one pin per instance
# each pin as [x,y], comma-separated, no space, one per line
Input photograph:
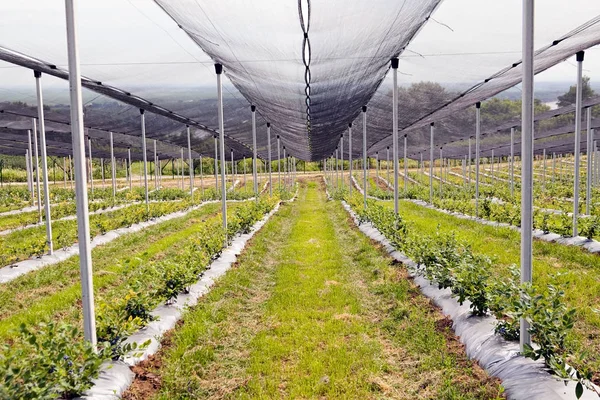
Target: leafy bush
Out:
[47,362]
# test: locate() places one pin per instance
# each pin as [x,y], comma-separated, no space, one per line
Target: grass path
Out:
[312,310]
[576,271]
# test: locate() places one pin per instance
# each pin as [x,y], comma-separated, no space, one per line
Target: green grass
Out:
[579,270]
[314,310]
[54,291]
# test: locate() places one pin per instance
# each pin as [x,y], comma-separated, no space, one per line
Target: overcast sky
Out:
[134,44]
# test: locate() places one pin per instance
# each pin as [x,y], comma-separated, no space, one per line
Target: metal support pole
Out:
[253,108]
[219,71]
[527,158]
[577,151]
[216,165]
[145,157]
[30,158]
[464,170]
[377,165]
[477,139]
[405,163]
[588,187]
[349,159]
[387,163]
[42,129]
[285,160]
[201,179]
[492,166]
[270,160]
[364,112]
[181,169]
[191,162]
[337,169]
[394,130]
[83,223]
[279,160]
[65,171]
[512,162]
[129,167]
[156,166]
[543,170]
[470,158]
[91,167]
[441,173]
[37,171]
[341,158]
[431,133]
[112,167]
[553,166]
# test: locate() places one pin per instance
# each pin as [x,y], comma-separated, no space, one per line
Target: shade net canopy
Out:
[309,67]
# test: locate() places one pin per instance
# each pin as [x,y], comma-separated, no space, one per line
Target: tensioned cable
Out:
[306,57]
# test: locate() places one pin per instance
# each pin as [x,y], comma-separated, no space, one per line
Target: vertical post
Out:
[441,173]
[42,129]
[65,171]
[37,171]
[349,159]
[577,151]
[112,167]
[337,169]
[421,163]
[553,166]
[129,167]
[588,188]
[232,172]
[431,133]
[492,166]
[512,162]
[470,159]
[253,108]
[364,112]
[544,170]
[216,165]
[394,130]
[28,170]
[285,169]
[527,158]
[477,138]
[30,166]
[341,158]
[270,160]
[191,162]
[71,177]
[83,223]
[387,163]
[219,71]
[91,167]
[182,167]
[279,160]
[201,179]
[101,170]
[157,165]
[405,163]
[377,165]
[464,170]
[145,157]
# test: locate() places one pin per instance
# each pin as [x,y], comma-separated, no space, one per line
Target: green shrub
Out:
[47,362]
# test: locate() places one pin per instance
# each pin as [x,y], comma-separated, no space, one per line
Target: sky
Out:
[134,45]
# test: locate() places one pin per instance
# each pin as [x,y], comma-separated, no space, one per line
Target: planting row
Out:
[450,263]
[51,360]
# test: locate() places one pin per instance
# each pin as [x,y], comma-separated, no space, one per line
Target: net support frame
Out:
[477,155]
[394,62]
[83,223]
[219,73]
[145,156]
[577,150]
[364,113]
[42,129]
[526,158]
